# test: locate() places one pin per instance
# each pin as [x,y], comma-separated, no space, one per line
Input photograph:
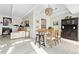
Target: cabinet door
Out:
[68,21]
[75,22]
[70,32]
[64,22]
[74,35]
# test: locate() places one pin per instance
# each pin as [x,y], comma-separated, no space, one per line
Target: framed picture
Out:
[55,22]
[7,21]
[43,23]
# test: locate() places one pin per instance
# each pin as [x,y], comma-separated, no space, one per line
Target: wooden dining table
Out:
[45,32]
[41,30]
[42,33]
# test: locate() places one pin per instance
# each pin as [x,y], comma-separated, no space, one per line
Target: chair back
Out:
[50,33]
[58,33]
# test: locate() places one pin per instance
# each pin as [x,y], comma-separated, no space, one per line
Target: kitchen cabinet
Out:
[70,28]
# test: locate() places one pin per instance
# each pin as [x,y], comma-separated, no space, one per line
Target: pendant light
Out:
[48,11]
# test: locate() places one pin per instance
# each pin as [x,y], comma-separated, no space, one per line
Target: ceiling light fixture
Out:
[48,11]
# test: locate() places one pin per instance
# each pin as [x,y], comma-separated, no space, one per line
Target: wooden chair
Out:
[50,37]
[53,37]
[57,36]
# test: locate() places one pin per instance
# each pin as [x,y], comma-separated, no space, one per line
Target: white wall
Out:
[16,20]
[29,17]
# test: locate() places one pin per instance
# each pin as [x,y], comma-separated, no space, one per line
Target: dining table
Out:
[41,34]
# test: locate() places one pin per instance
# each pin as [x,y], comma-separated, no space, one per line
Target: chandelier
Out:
[48,11]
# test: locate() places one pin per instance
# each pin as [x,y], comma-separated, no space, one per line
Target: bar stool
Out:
[40,39]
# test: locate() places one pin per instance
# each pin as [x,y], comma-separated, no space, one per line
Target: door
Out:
[43,23]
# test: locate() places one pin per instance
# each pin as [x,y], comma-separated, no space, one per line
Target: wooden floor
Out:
[26,46]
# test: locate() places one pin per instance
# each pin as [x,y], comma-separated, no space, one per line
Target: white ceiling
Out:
[59,10]
[20,10]
[15,10]
[5,9]
[73,8]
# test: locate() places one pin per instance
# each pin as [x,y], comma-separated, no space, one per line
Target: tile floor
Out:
[26,46]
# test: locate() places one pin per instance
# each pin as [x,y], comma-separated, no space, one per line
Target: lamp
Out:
[48,11]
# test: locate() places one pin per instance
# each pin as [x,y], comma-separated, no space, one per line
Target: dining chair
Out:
[53,37]
[50,37]
[57,33]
